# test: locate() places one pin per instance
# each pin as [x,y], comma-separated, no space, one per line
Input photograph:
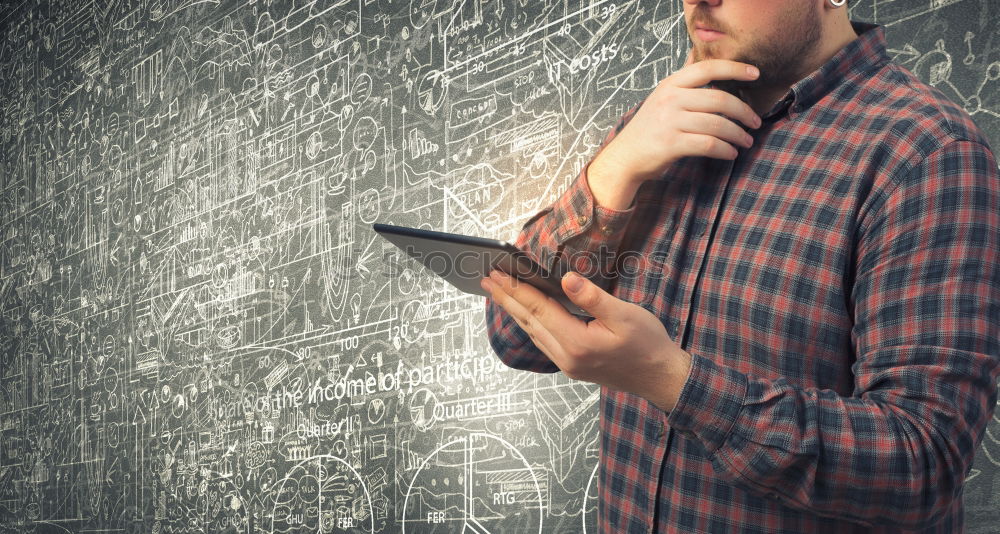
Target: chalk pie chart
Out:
[475,484]
[321,494]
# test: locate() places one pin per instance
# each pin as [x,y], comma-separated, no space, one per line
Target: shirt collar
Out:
[859,57]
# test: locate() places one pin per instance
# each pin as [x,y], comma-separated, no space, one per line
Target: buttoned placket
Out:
[702,226]
[663,436]
[703,235]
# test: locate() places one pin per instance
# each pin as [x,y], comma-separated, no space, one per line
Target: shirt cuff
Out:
[709,403]
[589,223]
[587,214]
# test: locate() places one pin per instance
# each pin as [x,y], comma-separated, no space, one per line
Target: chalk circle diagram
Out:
[590,500]
[431,90]
[475,484]
[422,11]
[321,494]
[421,408]
[314,145]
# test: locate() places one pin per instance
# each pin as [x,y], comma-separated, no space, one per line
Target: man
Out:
[800,328]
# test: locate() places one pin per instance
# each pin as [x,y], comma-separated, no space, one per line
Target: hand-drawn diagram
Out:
[200,331]
[476,483]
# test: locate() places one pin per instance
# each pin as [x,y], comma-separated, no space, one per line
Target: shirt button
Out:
[773,496]
[582,220]
[607,230]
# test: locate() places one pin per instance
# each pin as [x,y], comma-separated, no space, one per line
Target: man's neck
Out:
[841,33]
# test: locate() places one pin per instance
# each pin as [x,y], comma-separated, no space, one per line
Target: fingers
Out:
[718,101]
[708,146]
[539,336]
[716,126]
[590,297]
[704,72]
[536,313]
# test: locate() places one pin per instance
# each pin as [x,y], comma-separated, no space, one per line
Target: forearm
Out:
[580,226]
[894,455]
[569,234]
[612,188]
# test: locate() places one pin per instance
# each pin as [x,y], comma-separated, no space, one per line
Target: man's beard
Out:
[780,62]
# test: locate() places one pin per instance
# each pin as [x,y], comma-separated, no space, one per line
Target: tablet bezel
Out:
[518,263]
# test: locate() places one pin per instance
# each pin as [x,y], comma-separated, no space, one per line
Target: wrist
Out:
[676,369]
[613,168]
[613,187]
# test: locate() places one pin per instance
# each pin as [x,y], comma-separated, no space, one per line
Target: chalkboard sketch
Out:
[200,332]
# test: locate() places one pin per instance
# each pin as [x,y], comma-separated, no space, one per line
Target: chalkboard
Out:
[200,331]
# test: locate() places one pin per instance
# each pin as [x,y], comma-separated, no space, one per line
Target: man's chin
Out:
[734,87]
[703,52]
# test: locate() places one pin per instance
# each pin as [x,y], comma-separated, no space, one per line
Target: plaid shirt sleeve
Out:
[926,301]
[559,237]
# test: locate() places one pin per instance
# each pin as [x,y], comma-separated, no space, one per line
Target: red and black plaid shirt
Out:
[838,286]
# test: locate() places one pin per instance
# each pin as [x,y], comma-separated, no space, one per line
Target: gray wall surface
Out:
[199,331]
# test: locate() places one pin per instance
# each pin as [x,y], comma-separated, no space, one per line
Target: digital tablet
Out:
[464,260]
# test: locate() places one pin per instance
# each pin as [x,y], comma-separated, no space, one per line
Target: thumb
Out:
[588,295]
